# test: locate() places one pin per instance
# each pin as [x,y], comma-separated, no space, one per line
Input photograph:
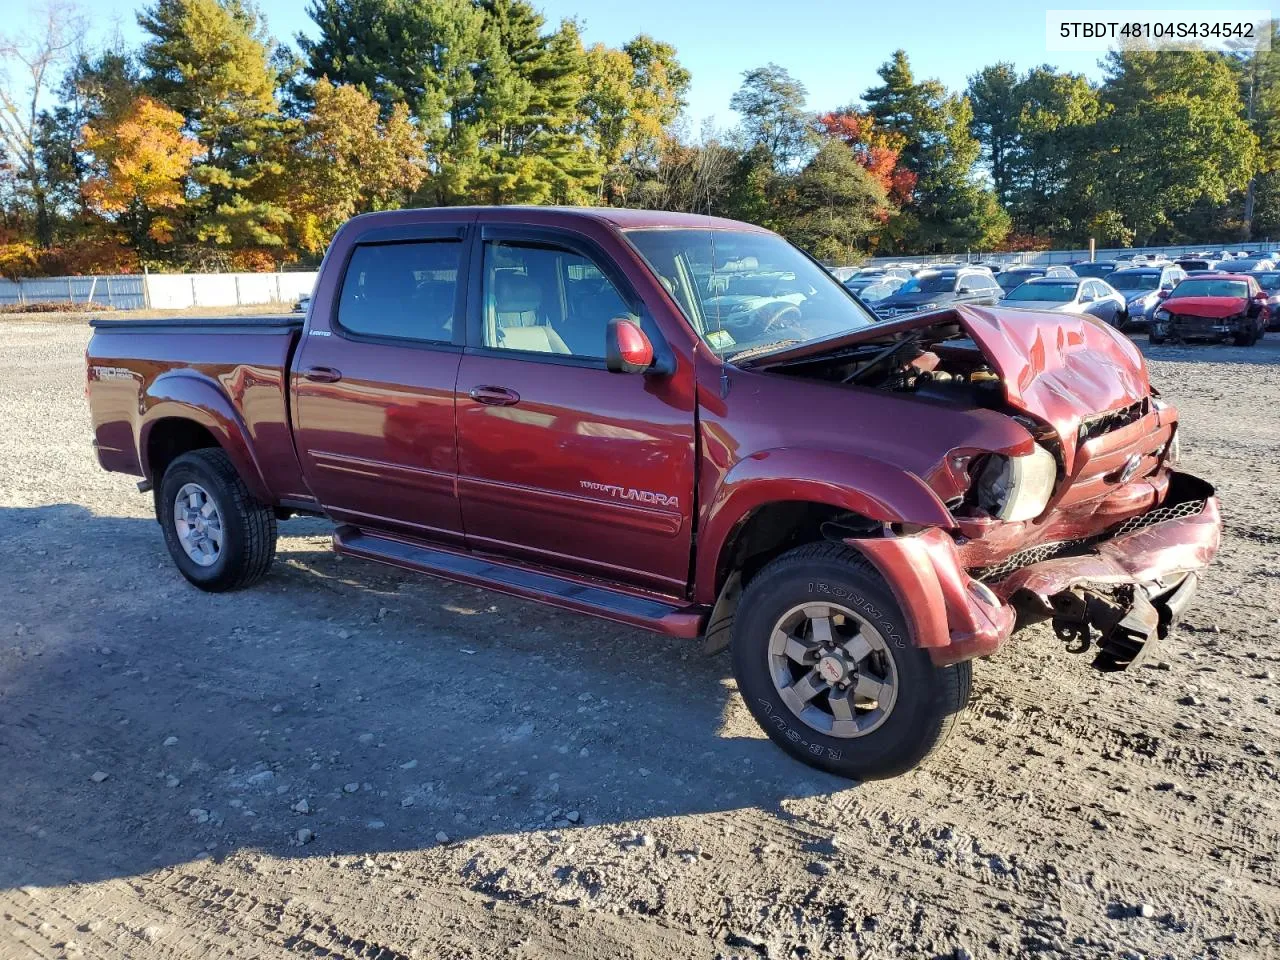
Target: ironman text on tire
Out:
[823,658]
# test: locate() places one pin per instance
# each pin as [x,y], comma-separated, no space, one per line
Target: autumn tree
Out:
[633,95]
[950,208]
[877,150]
[210,60]
[834,206]
[350,160]
[142,158]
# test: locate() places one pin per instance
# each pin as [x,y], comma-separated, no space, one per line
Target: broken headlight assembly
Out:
[1016,488]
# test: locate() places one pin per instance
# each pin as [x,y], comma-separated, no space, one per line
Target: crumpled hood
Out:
[1061,368]
[1210,308]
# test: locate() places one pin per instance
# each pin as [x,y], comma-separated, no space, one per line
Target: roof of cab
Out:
[623,218]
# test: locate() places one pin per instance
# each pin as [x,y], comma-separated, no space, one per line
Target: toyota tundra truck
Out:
[685,424]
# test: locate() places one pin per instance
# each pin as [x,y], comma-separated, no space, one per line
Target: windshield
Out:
[743,290]
[1093,269]
[1268,281]
[930,283]
[1209,287]
[1134,279]
[1048,292]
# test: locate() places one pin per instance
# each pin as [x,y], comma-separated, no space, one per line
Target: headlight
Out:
[1017,488]
[1162,315]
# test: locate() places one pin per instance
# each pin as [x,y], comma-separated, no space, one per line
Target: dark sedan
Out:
[932,289]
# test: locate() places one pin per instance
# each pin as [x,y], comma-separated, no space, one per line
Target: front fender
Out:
[848,481]
[187,395]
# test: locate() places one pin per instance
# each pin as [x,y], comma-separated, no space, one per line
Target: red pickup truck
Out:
[685,424]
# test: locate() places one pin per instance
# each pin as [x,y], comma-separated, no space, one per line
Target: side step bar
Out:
[580,596]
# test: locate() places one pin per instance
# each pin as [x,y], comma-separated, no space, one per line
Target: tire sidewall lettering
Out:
[887,628]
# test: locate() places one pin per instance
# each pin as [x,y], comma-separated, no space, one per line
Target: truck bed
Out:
[234,368]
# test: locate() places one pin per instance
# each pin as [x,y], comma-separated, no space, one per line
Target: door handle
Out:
[322,374]
[495,396]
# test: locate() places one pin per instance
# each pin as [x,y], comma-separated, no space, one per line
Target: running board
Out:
[580,596]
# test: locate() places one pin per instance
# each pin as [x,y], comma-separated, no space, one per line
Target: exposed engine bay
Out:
[939,362]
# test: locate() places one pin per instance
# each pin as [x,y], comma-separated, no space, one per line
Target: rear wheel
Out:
[823,659]
[220,537]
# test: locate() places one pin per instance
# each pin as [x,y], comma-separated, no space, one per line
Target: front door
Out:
[374,388]
[561,462]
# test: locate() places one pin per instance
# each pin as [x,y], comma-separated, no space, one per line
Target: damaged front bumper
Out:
[1122,590]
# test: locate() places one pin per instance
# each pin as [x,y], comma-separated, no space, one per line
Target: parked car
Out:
[1067,295]
[1008,279]
[550,402]
[1228,307]
[302,304]
[1095,268]
[881,271]
[1141,287]
[934,289]
[1249,264]
[1190,264]
[874,287]
[1270,282]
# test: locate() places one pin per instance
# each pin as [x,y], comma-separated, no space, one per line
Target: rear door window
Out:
[407,291]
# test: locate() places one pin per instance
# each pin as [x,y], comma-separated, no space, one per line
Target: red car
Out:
[684,424]
[1229,306]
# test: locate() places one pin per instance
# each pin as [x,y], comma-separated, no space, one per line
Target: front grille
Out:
[1025,558]
[1050,551]
[1178,511]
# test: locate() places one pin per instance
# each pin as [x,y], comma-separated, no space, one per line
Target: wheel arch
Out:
[777,500]
[184,413]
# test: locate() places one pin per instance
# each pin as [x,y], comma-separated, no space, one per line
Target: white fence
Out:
[161,291]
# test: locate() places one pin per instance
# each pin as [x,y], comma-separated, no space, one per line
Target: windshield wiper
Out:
[761,350]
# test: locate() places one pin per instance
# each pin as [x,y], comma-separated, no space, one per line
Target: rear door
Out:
[561,462]
[374,384]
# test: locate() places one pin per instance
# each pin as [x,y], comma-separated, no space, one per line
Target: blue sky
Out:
[832,46]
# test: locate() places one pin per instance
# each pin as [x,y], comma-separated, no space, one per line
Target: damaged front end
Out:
[1116,594]
[1089,525]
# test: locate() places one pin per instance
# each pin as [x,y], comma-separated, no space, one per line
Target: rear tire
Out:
[221,538]
[915,703]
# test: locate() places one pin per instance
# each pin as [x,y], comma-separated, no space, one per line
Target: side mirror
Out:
[1086,298]
[1261,296]
[626,348]
[1163,293]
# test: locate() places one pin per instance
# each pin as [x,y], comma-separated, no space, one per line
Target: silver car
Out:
[1087,295]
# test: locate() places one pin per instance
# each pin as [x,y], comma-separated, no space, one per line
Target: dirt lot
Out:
[473,776]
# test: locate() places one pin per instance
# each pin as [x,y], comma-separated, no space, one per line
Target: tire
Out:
[1155,339]
[247,528]
[1246,338]
[926,700]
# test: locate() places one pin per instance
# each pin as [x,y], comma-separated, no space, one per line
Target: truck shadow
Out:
[144,723]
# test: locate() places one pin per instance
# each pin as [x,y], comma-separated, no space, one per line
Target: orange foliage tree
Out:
[142,159]
[877,149]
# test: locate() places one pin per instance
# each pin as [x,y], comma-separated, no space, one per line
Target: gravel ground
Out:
[346,761]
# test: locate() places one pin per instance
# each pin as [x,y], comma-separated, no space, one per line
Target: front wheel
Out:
[823,659]
[1246,338]
[220,537]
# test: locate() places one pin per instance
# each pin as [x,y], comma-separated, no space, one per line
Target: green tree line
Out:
[211,145]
